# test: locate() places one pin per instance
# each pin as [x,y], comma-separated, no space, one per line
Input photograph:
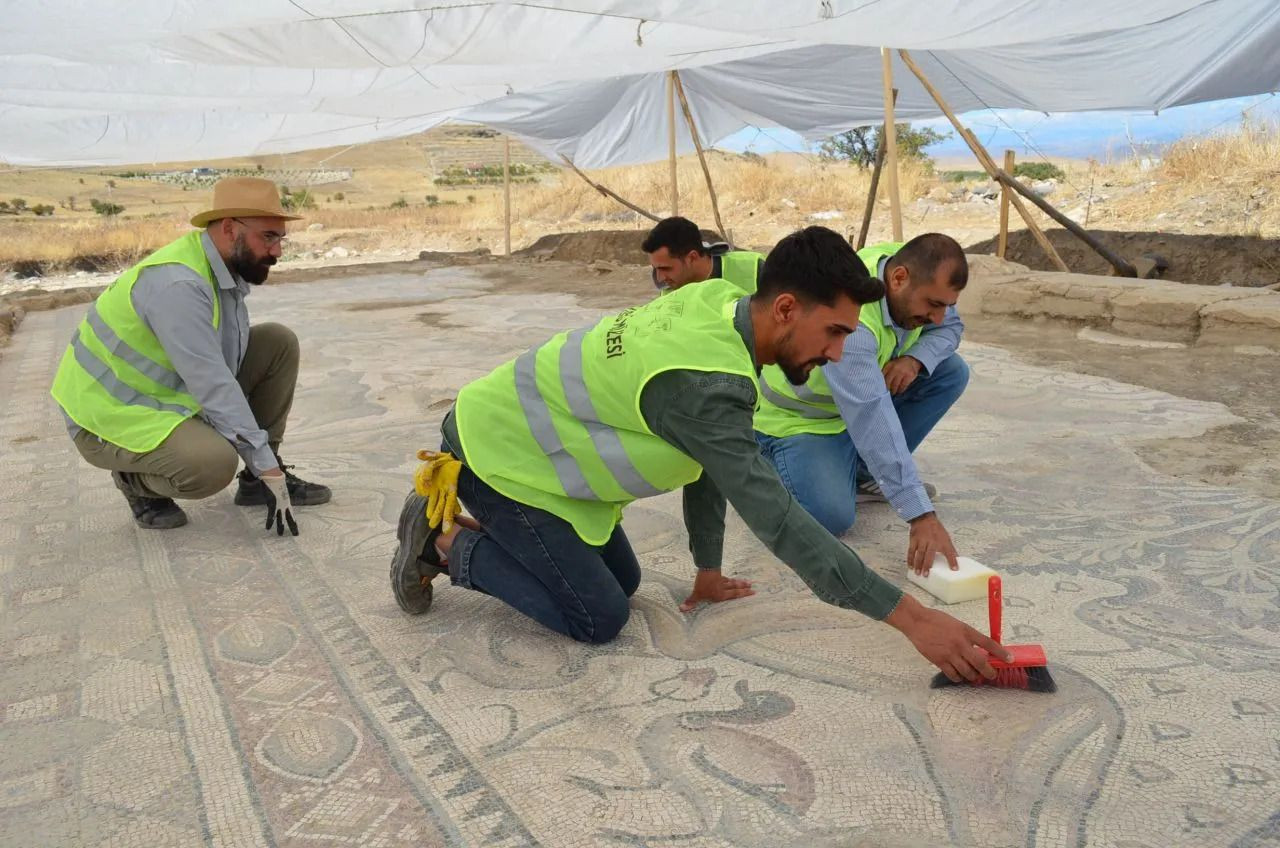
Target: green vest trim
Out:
[115,379]
[787,410]
[560,427]
[740,267]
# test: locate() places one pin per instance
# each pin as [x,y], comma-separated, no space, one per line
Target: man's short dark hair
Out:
[925,253]
[677,235]
[818,266]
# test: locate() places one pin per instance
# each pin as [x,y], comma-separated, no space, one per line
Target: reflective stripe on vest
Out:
[806,410]
[117,388]
[560,428]
[166,377]
[605,439]
[115,379]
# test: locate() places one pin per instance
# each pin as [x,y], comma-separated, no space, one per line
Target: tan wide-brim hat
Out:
[244,197]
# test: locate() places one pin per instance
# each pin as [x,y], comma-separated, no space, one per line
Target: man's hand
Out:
[712,586]
[960,651]
[928,538]
[900,373]
[279,508]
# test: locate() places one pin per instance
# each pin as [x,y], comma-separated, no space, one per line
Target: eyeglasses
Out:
[269,237]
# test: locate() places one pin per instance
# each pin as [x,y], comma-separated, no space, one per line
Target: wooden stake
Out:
[875,185]
[1002,246]
[671,141]
[890,141]
[1123,268]
[702,159]
[506,192]
[607,193]
[985,160]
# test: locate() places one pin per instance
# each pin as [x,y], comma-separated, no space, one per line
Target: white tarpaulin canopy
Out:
[83,81]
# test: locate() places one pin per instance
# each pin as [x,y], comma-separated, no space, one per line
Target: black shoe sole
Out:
[180,520]
[412,594]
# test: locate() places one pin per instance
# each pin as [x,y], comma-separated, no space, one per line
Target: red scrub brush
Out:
[1029,668]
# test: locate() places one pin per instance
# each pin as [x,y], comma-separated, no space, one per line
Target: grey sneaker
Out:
[869,492]
[148,512]
[416,561]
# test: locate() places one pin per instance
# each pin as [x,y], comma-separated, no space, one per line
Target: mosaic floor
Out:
[217,686]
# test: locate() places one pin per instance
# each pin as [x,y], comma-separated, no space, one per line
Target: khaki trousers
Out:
[195,461]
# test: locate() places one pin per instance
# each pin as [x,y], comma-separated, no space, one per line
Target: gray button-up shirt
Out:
[177,304]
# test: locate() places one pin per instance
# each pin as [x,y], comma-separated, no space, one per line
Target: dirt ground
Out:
[1206,259]
[620,246]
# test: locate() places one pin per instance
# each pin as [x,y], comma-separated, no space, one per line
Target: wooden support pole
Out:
[1002,245]
[506,193]
[1123,268]
[702,159]
[671,140]
[985,160]
[875,186]
[607,193]
[890,141]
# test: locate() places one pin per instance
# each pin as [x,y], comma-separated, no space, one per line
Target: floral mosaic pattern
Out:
[215,685]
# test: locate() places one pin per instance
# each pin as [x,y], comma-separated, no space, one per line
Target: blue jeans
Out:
[823,471]
[536,563]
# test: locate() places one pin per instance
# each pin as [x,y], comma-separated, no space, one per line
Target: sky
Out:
[1100,135]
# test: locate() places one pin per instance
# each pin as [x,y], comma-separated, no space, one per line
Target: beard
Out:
[244,264]
[795,369]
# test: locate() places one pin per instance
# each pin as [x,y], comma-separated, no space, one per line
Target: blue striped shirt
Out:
[866,405]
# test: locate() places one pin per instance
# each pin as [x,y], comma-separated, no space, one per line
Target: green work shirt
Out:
[709,416]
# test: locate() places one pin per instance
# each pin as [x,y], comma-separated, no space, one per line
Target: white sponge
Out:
[969,583]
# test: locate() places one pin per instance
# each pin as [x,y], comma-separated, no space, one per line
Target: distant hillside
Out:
[430,152]
[373,174]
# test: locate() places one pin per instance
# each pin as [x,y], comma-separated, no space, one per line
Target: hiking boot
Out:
[416,560]
[253,492]
[148,512]
[869,492]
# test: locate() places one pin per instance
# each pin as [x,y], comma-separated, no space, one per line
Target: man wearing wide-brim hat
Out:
[167,386]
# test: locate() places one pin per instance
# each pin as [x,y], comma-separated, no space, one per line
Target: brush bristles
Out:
[1033,679]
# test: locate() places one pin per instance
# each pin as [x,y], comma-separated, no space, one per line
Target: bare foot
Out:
[444,542]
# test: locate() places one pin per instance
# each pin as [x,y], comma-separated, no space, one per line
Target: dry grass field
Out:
[384,196]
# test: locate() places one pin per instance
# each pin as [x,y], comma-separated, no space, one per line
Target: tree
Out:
[106,209]
[42,209]
[293,201]
[1038,171]
[860,144]
[18,203]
